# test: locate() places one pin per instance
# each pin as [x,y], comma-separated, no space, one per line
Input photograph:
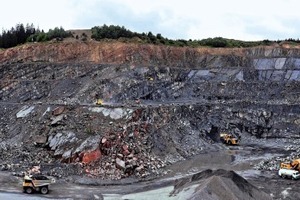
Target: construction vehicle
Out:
[229,139]
[99,102]
[294,164]
[36,183]
[289,173]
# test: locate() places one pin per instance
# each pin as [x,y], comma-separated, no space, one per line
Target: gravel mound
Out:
[218,185]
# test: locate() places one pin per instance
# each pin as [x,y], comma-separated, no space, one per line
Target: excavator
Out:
[294,164]
[290,169]
[229,139]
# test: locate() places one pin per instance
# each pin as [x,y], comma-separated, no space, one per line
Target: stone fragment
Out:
[103,140]
[67,154]
[57,120]
[120,155]
[126,152]
[58,110]
[120,164]
[140,168]
[35,170]
[25,111]
[40,139]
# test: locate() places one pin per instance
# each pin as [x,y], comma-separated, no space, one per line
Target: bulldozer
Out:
[294,164]
[229,139]
[36,183]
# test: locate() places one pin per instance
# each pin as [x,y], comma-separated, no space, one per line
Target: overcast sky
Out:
[174,19]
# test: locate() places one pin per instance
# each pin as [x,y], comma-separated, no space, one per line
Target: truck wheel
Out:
[44,190]
[283,176]
[28,190]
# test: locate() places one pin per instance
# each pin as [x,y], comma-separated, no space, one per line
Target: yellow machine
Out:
[229,139]
[294,164]
[36,183]
[99,102]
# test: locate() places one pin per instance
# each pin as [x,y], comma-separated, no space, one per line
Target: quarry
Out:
[158,124]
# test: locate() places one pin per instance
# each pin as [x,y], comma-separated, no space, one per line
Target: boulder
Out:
[89,144]
[89,157]
[40,139]
[58,110]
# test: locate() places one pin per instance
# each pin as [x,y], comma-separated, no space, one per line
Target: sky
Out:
[174,19]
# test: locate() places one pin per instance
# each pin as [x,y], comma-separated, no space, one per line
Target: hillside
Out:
[162,105]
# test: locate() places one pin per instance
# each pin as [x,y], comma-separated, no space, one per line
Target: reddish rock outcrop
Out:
[89,157]
[112,52]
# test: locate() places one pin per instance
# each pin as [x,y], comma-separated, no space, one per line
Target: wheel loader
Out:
[229,139]
[36,183]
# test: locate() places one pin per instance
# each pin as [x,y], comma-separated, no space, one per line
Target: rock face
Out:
[160,104]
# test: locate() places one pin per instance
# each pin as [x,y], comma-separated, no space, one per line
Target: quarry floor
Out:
[240,159]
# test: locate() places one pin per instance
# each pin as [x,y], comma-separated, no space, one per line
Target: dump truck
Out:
[289,173]
[36,183]
[229,139]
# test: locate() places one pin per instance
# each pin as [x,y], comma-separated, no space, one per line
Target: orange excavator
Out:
[294,164]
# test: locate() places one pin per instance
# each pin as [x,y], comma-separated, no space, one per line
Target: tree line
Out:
[16,35]
[21,34]
[117,32]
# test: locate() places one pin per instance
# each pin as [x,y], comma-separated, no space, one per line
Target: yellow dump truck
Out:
[36,183]
[229,139]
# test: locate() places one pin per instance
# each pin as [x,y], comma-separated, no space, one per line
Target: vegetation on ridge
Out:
[21,34]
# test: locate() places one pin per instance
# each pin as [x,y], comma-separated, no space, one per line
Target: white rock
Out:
[25,111]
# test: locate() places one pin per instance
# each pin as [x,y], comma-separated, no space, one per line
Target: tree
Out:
[111,32]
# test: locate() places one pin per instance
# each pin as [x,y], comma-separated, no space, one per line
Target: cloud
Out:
[136,18]
[174,19]
[250,20]
[46,14]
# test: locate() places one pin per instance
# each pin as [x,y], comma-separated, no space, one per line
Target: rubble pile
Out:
[273,164]
[218,184]
[124,152]
[21,159]
[121,147]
